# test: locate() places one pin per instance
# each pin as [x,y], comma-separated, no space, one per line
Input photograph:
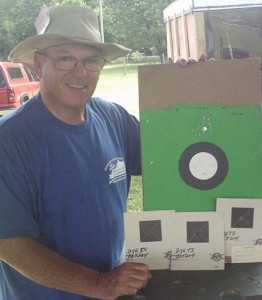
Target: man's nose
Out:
[79,68]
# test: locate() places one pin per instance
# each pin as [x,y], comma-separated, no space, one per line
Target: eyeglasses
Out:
[68,63]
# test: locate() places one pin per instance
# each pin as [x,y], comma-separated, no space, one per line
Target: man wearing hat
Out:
[66,159]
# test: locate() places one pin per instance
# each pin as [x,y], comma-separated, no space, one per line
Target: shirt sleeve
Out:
[128,129]
[133,145]
[18,196]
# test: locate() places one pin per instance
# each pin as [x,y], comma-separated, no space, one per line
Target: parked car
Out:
[17,84]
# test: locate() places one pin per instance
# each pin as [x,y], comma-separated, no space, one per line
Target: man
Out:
[65,165]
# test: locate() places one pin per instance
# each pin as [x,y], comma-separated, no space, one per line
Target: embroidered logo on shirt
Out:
[116,169]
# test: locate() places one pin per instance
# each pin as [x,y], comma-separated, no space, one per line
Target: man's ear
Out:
[38,64]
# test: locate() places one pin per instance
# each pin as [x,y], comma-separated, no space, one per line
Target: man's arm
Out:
[44,266]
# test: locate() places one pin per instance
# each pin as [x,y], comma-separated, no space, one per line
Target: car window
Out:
[15,73]
[28,74]
[32,76]
[2,80]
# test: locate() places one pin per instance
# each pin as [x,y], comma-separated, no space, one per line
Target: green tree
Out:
[94,4]
[16,22]
[137,24]
[68,2]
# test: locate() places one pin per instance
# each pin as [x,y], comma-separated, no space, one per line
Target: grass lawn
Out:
[120,85]
[135,199]
[4,112]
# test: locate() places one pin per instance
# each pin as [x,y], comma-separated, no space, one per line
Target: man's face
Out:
[66,90]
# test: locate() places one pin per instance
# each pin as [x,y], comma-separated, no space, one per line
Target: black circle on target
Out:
[203,184]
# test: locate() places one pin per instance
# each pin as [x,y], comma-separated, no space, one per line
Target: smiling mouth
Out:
[77,86]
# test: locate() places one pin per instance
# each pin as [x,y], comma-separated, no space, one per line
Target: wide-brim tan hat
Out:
[61,25]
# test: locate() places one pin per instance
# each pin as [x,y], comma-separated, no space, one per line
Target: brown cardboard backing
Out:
[227,82]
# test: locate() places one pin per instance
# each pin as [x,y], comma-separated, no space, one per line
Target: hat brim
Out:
[25,51]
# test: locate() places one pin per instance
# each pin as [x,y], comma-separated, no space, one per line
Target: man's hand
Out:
[127,279]
[48,268]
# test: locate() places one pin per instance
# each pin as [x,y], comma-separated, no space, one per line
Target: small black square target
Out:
[198,232]
[242,217]
[150,231]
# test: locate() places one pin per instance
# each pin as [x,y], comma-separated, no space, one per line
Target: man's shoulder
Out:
[18,115]
[98,103]
[114,116]
[104,107]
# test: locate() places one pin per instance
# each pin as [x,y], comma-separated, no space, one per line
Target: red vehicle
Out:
[17,84]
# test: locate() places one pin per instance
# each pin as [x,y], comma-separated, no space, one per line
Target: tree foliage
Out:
[137,24]
[16,19]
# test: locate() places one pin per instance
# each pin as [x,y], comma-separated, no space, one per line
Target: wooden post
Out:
[184,25]
[170,42]
[200,31]
[176,47]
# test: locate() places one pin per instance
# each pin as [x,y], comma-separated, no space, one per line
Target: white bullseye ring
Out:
[203,165]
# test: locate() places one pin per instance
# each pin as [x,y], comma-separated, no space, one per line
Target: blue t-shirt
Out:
[66,186]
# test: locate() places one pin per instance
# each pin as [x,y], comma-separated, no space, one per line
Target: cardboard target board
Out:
[201,133]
